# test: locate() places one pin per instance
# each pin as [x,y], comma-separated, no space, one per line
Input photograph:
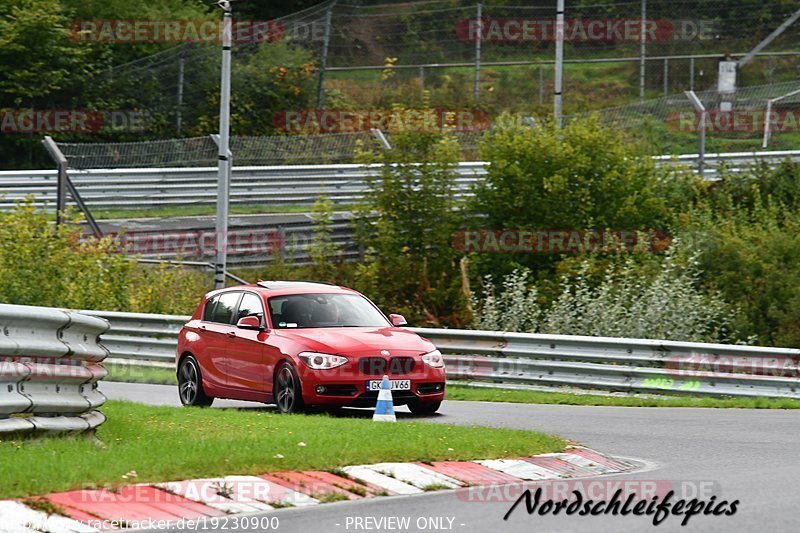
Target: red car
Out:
[298,344]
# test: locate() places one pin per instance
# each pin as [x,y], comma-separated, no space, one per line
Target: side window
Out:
[223,312]
[250,306]
[208,310]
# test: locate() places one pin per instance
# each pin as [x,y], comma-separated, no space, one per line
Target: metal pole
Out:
[767,129]
[701,149]
[61,166]
[422,76]
[326,37]
[179,112]
[223,176]
[478,54]
[558,90]
[770,72]
[768,117]
[701,152]
[666,77]
[691,73]
[541,85]
[642,52]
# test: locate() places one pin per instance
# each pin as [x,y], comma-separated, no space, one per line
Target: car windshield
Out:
[324,310]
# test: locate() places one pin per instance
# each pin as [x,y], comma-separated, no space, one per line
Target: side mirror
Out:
[398,320]
[249,322]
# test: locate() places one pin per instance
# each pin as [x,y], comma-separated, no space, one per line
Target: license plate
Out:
[396,384]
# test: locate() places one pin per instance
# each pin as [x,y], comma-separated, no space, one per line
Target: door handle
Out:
[231,334]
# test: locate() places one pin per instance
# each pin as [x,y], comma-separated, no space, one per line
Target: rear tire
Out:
[427,408]
[287,391]
[190,384]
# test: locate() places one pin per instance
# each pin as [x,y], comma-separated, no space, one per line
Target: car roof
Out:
[284,287]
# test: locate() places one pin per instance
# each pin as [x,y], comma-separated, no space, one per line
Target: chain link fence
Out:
[471,59]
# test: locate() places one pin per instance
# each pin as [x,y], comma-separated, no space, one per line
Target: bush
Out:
[584,176]
[41,266]
[744,231]
[632,300]
[325,254]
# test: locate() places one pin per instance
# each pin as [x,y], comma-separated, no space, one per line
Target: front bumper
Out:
[348,387]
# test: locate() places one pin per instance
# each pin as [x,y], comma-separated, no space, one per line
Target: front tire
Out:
[419,408]
[287,392]
[190,384]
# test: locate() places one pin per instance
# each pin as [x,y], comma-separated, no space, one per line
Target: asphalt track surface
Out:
[746,455]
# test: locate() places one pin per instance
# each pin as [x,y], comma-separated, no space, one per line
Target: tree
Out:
[584,176]
[37,52]
[406,224]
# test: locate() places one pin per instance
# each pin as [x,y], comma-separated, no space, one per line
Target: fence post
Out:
[642,52]
[326,37]
[224,163]
[666,77]
[691,73]
[179,107]
[541,85]
[558,90]
[701,149]
[478,54]
[61,184]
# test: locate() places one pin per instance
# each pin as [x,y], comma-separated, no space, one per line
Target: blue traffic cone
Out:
[384,410]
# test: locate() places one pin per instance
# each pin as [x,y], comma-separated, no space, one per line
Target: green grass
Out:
[140,374]
[483,394]
[173,443]
[457,392]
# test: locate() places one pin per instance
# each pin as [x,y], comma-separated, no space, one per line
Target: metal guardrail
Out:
[503,359]
[273,185]
[734,161]
[253,240]
[49,368]
[162,187]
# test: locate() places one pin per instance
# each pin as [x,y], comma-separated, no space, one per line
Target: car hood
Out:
[360,341]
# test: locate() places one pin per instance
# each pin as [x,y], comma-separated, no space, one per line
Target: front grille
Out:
[378,366]
[370,398]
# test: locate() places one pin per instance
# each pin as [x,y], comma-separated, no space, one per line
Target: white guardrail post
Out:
[49,368]
[507,360]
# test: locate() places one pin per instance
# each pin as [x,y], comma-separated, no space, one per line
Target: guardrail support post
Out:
[61,165]
[701,150]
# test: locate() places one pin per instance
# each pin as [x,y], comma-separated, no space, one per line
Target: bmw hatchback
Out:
[297,344]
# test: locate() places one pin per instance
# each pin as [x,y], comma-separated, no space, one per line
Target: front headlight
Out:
[433,359]
[322,361]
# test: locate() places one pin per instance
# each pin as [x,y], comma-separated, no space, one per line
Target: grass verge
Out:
[457,392]
[140,374]
[173,443]
[476,394]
